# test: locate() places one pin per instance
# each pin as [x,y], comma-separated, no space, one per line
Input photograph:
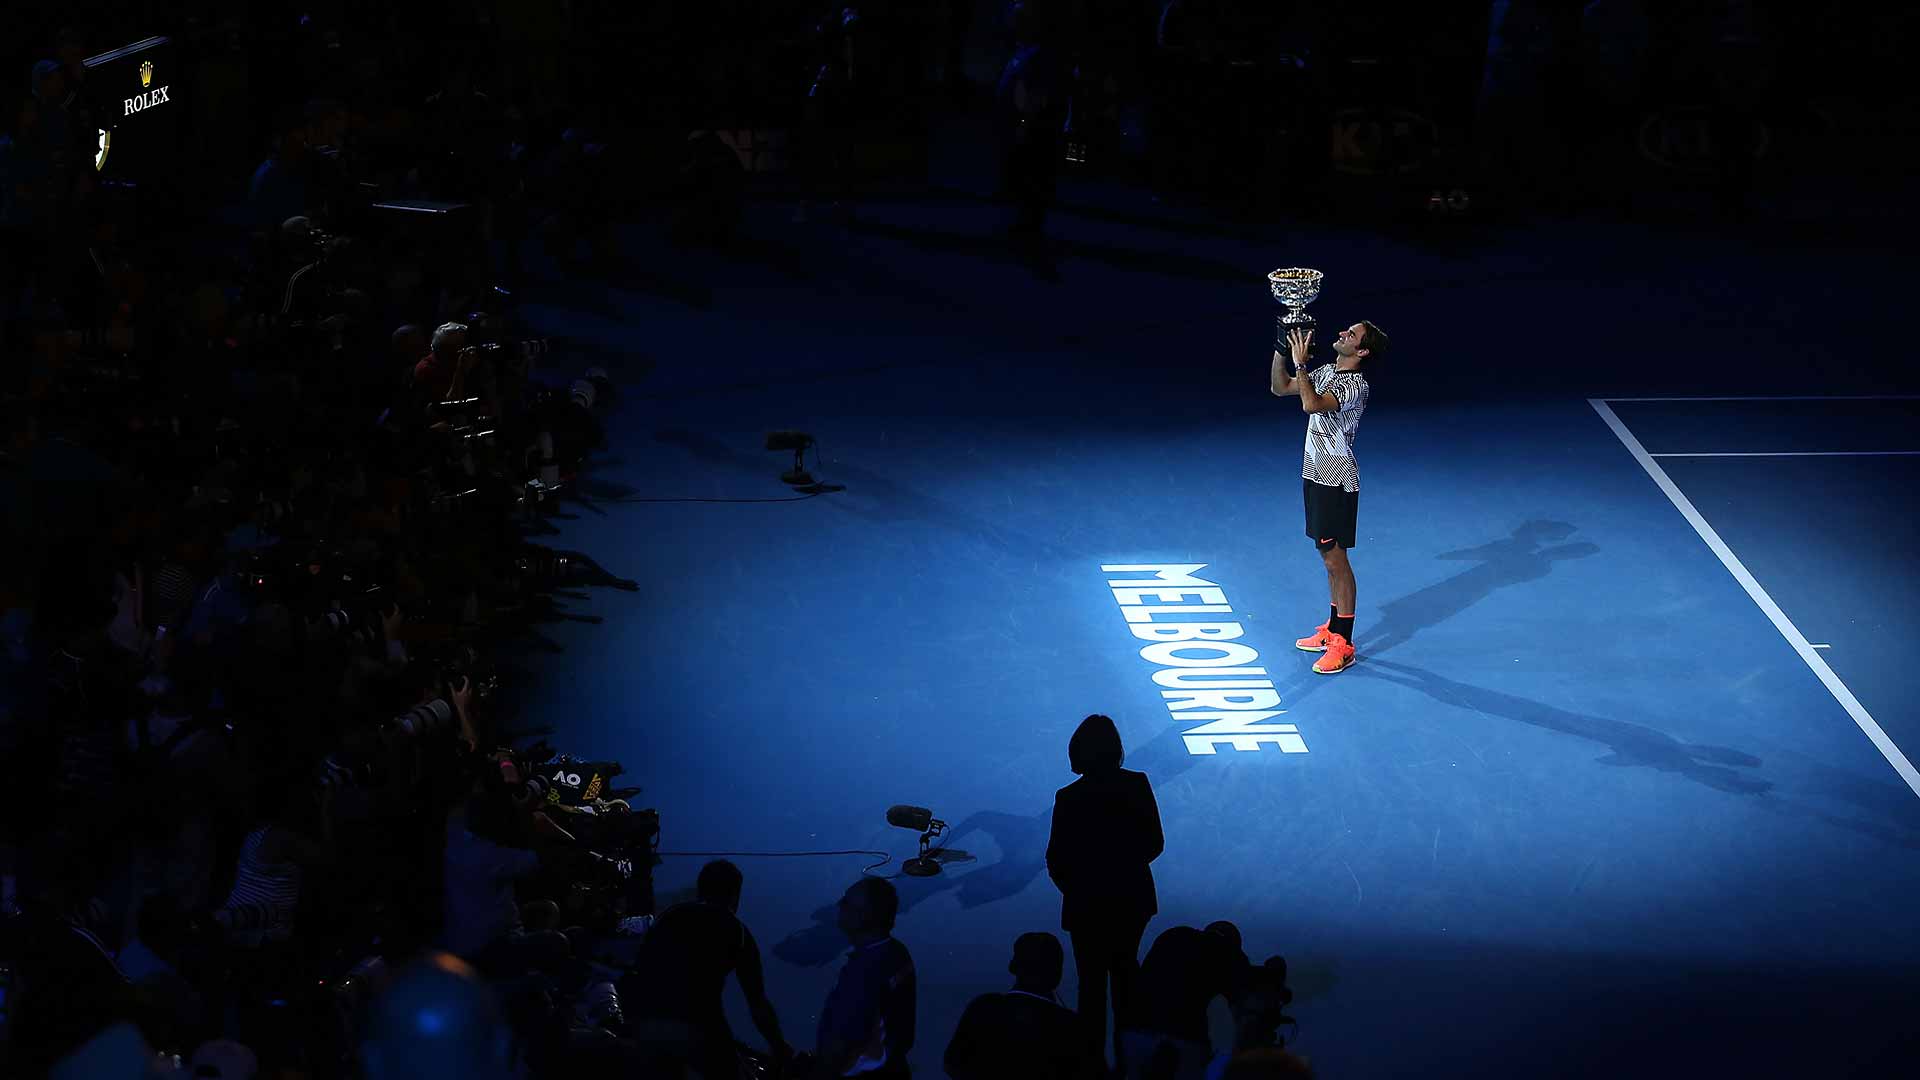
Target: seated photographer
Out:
[673,993]
[410,344]
[306,256]
[441,375]
[869,1021]
[488,849]
[1166,1037]
[280,187]
[274,859]
[1024,1033]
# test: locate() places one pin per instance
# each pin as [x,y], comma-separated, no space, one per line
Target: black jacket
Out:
[1184,971]
[1017,1036]
[1106,832]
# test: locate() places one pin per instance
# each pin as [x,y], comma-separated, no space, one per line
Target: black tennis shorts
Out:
[1332,513]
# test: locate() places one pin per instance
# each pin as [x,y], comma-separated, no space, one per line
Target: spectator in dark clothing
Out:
[280,186]
[70,49]
[1184,971]
[1024,1033]
[462,128]
[49,132]
[1106,832]
[673,993]
[410,344]
[57,949]
[867,1025]
[1031,102]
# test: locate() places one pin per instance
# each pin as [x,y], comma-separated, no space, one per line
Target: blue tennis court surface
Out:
[1579,808]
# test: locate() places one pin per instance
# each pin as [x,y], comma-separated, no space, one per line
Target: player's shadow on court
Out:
[1527,555]
[1021,838]
[1629,744]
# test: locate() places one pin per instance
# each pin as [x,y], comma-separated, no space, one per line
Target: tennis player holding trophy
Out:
[1333,396]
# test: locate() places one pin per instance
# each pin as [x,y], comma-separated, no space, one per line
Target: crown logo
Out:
[146,73]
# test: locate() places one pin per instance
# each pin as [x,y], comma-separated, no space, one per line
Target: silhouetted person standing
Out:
[1106,832]
[1031,99]
[1024,1033]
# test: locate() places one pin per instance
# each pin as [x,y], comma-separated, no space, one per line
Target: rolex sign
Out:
[130,94]
[146,98]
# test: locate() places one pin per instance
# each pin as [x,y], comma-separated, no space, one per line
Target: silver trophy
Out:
[1296,287]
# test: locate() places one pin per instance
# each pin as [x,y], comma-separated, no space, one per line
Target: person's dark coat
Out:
[1106,832]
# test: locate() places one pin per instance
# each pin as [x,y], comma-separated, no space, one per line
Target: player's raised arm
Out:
[1281,383]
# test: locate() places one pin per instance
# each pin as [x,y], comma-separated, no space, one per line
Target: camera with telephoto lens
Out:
[355,990]
[344,771]
[344,596]
[591,389]
[453,408]
[464,662]
[476,435]
[448,500]
[467,423]
[1259,1008]
[534,498]
[257,574]
[531,793]
[524,350]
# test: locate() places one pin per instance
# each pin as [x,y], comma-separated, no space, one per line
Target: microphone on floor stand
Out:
[920,820]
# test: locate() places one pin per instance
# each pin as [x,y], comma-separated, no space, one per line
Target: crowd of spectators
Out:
[275,470]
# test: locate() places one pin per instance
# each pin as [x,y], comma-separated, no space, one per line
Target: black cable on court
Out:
[884,857]
[824,490]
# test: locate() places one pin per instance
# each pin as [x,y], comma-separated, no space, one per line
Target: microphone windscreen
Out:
[916,818]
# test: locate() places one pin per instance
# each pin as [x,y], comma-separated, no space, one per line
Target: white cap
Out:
[446,330]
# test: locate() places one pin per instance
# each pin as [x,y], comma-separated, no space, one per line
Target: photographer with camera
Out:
[491,845]
[319,303]
[276,856]
[673,993]
[1166,1034]
[1259,1011]
[442,374]
[442,705]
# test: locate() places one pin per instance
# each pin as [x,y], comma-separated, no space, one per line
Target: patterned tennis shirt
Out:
[1329,454]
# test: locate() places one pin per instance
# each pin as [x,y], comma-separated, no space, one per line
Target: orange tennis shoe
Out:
[1316,643]
[1336,657]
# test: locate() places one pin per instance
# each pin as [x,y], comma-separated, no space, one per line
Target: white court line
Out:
[1792,633]
[1802,453]
[1788,397]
